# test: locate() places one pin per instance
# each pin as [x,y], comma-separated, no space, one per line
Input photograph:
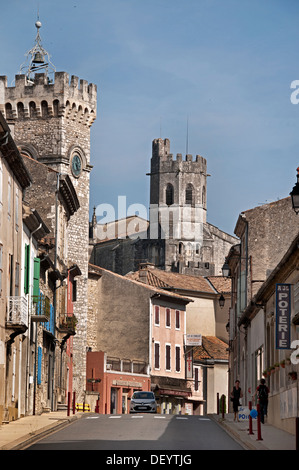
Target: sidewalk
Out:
[19,434]
[272,437]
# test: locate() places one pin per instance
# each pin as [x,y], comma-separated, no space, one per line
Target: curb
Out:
[245,442]
[23,442]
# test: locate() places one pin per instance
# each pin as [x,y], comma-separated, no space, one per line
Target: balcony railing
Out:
[17,312]
[67,322]
[40,308]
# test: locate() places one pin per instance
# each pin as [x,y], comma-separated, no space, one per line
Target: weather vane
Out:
[39,60]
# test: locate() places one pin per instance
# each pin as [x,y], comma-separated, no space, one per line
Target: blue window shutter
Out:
[39,365]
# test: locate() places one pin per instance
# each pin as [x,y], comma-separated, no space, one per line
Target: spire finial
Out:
[39,58]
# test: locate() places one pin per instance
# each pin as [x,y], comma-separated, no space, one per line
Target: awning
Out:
[173,391]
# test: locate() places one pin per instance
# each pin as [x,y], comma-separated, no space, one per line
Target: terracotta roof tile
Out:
[168,280]
[211,348]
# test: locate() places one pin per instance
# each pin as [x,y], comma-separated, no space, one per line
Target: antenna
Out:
[37,59]
[187,137]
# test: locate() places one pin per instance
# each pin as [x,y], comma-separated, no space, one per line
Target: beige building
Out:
[265,233]
[273,341]
[14,179]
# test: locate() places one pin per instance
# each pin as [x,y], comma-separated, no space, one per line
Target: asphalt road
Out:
[139,432]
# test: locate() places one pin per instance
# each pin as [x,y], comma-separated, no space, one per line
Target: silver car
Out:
[143,402]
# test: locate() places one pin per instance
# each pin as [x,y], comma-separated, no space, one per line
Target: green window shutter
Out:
[26,269]
[36,275]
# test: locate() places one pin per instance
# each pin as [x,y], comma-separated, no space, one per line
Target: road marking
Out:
[178,417]
[204,419]
[92,417]
[136,416]
[160,417]
[114,417]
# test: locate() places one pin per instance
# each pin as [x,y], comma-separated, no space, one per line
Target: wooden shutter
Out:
[36,275]
[167,357]
[157,356]
[177,358]
[26,269]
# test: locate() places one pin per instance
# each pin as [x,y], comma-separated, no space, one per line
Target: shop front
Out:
[171,395]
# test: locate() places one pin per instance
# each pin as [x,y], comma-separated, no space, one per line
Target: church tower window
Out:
[169,195]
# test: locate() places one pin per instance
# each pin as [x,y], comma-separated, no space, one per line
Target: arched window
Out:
[189,194]
[32,109]
[55,108]
[21,112]
[8,111]
[44,106]
[169,194]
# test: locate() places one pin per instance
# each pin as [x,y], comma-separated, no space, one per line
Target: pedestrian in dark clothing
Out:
[236,394]
[262,393]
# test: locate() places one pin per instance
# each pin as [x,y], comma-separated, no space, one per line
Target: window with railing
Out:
[17,310]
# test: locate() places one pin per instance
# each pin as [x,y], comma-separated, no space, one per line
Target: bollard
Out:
[222,402]
[250,419]
[217,403]
[74,403]
[297,433]
[68,403]
[259,433]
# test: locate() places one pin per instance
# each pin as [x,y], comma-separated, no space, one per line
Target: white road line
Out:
[204,419]
[136,416]
[114,417]
[178,417]
[160,417]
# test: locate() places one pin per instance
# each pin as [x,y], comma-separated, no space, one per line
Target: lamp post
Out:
[295,194]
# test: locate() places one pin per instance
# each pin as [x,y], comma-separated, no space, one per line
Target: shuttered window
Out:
[36,275]
[39,365]
[167,365]
[168,317]
[157,315]
[157,356]
[26,269]
[177,358]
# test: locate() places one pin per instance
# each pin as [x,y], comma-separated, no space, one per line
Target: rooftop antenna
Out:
[39,59]
[187,137]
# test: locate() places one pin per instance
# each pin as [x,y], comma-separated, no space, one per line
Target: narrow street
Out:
[140,432]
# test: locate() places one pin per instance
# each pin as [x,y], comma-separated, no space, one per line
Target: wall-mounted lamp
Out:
[295,194]
[225,270]
[221,301]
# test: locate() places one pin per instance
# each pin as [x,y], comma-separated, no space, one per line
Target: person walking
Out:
[262,393]
[236,394]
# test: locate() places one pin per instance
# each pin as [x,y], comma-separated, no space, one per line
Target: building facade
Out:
[51,124]
[142,328]
[265,232]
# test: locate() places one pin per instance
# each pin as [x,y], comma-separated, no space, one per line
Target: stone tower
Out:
[52,120]
[178,208]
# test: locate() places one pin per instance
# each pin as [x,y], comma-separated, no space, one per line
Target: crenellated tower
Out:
[178,188]
[51,117]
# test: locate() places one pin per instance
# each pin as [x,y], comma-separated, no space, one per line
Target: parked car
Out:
[143,402]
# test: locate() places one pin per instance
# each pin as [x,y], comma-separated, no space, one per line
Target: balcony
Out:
[67,323]
[17,313]
[41,306]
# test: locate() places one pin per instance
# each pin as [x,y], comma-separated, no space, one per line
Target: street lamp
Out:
[221,301]
[295,194]
[225,270]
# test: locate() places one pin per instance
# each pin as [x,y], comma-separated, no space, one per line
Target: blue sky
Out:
[227,65]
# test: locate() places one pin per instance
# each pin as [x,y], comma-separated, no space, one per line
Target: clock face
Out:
[76,165]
